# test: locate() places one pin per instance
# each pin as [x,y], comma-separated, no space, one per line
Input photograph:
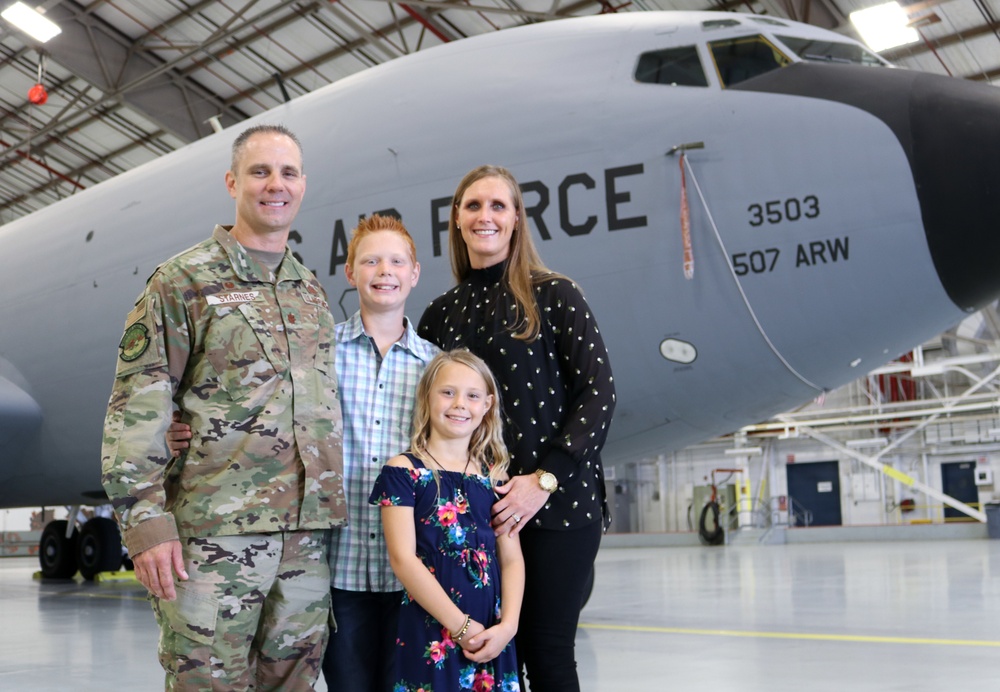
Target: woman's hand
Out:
[521,498]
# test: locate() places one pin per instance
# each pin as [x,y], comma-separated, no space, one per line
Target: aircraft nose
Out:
[955,126]
[950,131]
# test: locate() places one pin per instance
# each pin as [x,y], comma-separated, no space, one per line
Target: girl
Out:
[463,585]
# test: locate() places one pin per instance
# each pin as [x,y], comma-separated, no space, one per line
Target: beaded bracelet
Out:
[461,632]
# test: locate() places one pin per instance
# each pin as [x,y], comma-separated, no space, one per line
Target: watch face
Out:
[548,482]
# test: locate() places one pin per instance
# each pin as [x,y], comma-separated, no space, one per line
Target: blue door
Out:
[815,486]
[958,479]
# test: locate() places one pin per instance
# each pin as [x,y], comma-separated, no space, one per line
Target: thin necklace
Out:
[465,468]
[459,489]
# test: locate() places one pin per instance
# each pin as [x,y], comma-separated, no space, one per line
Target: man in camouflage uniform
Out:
[238,335]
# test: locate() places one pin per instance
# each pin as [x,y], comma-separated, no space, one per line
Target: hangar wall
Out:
[952,449]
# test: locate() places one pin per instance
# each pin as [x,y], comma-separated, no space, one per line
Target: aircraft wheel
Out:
[56,553]
[100,547]
[709,529]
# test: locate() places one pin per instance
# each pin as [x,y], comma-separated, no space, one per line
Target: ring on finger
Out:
[517,519]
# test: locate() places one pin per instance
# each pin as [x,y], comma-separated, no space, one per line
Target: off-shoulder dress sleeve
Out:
[394,487]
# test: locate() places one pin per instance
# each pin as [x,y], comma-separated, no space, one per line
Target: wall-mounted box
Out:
[984,475]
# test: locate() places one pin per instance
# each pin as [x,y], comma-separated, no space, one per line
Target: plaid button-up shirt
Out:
[377,399]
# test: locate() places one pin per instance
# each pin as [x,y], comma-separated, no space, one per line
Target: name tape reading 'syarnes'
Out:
[230,298]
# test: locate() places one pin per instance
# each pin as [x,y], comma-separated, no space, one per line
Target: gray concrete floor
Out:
[862,617]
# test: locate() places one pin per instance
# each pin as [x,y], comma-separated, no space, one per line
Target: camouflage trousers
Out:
[253,614]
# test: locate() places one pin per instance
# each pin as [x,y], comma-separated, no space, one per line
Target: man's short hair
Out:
[239,144]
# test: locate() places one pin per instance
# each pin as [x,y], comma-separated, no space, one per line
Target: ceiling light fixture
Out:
[884,26]
[743,452]
[31,22]
[867,442]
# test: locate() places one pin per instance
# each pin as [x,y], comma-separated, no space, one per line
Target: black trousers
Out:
[361,653]
[558,566]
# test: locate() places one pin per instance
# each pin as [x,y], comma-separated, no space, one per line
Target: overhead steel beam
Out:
[428,21]
[941,42]
[120,89]
[403,22]
[128,72]
[99,54]
[555,12]
[485,9]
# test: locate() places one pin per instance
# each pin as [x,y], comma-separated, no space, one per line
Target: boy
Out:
[379,360]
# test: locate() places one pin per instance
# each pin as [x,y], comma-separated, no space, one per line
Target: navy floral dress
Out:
[456,543]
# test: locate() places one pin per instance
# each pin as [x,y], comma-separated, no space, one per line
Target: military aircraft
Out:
[757,210]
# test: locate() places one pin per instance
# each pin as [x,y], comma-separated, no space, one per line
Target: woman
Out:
[535,330]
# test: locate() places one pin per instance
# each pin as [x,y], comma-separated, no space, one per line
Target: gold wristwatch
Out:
[547,481]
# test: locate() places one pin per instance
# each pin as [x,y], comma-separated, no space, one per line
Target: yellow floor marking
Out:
[795,635]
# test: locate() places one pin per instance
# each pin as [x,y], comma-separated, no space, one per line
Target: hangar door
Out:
[958,479]
[816,486]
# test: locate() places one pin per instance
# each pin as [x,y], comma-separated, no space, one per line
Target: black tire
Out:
[56,553]
[715,535]
[100,547]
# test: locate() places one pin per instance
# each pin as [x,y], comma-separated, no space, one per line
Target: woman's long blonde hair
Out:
[524,266]
[486,446]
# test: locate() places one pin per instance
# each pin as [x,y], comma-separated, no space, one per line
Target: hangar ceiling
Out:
[130,80]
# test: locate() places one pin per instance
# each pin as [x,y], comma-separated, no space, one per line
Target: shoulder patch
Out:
[134,342]
[138,348]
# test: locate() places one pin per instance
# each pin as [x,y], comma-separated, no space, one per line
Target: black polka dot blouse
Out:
[557,392]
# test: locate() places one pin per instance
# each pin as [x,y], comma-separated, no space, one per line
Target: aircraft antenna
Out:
[746,301]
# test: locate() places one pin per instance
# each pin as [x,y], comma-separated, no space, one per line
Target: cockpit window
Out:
[739,59]
[768,20]
[673,66]
[831,51]
[719,23]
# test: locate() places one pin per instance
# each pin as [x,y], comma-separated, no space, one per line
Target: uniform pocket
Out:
[190,615]
[237,345]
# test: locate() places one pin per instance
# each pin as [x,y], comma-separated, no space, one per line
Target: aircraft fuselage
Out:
[809,238]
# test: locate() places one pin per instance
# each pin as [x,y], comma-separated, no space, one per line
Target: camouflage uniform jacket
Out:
[249,358]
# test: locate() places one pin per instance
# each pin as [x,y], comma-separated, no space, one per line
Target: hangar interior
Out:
[129,81]
[132,80]
[930,417]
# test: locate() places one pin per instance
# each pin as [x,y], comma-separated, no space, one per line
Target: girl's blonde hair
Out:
[524,266]
[486,446]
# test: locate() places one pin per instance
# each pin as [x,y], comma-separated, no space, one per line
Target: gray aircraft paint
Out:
[557,104]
